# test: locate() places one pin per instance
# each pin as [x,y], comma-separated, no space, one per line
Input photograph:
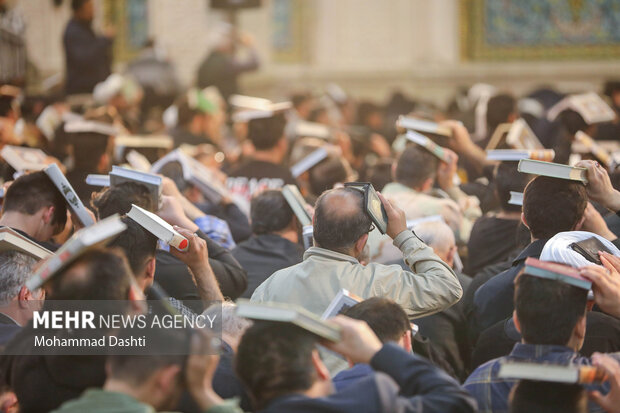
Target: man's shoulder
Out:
[485,373]
[499,282]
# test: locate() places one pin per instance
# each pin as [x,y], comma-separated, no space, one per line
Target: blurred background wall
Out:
[369,47]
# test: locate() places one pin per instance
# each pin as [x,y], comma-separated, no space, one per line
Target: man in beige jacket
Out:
[341,228]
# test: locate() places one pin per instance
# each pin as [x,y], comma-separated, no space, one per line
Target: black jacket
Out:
[87,57]
[404,383]
[263,255]
[174,277]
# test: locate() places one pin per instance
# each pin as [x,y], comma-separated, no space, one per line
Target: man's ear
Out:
[149,270]
[427,185]
[167,377]
[48,214]
[394,165]
[580,223]
[524,221]
[321,370]
[515,319]
[361,243]
[580,328]
[406,341]
[23,296]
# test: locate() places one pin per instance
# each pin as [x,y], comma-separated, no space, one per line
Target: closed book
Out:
[555,271]
[305,129]
[65,188]
[310,161]
[152,182]
[138,161]
[428,144]
[546,155]
[98,180]
[158,227]
[288,313]
[11,240]
[267,112]
[553,170]
[424,126]
[24,159]
[516,198]
[297,203]
[341,302]
[594,148]
[548,372]
[412,223]
[144,141]
[98,234]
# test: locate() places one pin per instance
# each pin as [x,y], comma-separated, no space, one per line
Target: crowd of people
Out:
[445,295]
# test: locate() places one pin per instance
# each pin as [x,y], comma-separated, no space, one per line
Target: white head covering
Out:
[558,249]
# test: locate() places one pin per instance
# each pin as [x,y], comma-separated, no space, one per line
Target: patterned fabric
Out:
[216,229]
[492,392]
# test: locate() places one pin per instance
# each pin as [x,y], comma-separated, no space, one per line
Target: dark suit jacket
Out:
[87,57]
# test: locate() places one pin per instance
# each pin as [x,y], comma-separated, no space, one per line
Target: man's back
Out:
[263,255]
[87,57]
[314,282]
[254,176]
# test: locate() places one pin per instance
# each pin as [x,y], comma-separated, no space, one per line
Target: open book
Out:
[12,240]
[24,159]
[341,302]
[591,107]
[553,170]
[555,271]
[98,234]
[556,373]
[153,182]
[144,141]
[288,313]
[98,180]
[138,161]
[158,227]
[305,129]
[67,191]
[310,161]
[515,135]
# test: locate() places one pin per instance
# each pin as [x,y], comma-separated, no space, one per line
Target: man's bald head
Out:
[339,219]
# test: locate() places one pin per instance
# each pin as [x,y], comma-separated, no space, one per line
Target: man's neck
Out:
[270,156]
[509,215]
[14,315]
[117,386]
[288,235]
[19,221]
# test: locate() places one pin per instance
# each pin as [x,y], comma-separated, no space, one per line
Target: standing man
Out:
[88,57]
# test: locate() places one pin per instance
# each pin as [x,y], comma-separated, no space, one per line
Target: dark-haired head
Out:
[34,197]
[276,359]
[509,179]
[386,318]
[118,199]
[549,311]
[270,213]
[553,205]
[416,168]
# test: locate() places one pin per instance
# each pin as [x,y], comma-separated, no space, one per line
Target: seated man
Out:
[496,235]
[281,368]
[341,227]
[391,325]
[171,273]
[154,382]
[35,208]
[275,244]
[98,274]
[551,317]
[16,302]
